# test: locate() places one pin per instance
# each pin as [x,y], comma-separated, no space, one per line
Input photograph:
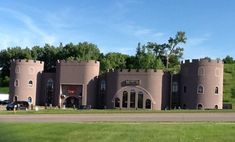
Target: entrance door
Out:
[72,102]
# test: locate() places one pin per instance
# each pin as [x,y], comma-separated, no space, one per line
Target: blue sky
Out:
[118,25]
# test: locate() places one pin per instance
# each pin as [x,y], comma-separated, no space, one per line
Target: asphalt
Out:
[121,117]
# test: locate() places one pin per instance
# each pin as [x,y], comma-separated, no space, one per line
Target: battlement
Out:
[78,63]
[135,71]
[202,61]
[26,61]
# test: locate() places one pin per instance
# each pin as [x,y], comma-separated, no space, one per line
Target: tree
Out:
[228,60]
[170,49]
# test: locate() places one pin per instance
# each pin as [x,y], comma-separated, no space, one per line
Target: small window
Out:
[29,99]
[201,71]
[175,87]
[16,83]
[185,89]
[30,84]
[216,90]
[200,89]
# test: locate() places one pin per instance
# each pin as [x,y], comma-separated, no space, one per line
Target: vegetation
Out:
[106,111]
[125,132]
[4,90]
[229,83]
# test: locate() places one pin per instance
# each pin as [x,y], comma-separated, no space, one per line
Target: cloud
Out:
[32,31]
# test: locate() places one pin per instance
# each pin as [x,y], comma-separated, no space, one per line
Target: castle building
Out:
[198,85]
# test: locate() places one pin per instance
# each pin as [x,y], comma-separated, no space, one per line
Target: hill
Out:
[229,83]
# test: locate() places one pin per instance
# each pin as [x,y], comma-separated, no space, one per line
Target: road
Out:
[121,117]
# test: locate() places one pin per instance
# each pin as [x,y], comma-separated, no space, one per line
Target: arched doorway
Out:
[148,104]
[216,107]
[199,106]
[71,102]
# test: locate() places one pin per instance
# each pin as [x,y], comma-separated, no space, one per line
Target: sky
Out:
[118,25]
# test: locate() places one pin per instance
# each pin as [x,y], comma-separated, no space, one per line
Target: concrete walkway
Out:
[121,117]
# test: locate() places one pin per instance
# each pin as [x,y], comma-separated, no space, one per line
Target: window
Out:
[201,71]
[132,102]
[148,104]
[200,89]
[16,83]
[216,90]
[117,102]
[185,89]
[140,100]
[50,84]
[124,99]
[175,87]
[29,99]
[30,84]
[102,85]
[17,69]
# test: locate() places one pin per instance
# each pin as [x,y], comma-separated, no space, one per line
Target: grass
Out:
[94,111]
[125,132]
[4,90]
[229,83]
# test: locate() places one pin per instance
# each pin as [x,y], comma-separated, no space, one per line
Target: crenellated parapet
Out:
[26,61]
[77,63]
[203,61]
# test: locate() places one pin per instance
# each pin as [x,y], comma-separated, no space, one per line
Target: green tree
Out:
[228,60]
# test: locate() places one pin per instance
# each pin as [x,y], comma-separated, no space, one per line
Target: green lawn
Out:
[229,83]
[4,90]
[113,132]
[93,111]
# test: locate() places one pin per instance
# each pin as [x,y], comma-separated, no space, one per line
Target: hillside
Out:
[229,83]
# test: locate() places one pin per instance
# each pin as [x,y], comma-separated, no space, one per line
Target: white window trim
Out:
[203,89]
[15,83]
[29,85]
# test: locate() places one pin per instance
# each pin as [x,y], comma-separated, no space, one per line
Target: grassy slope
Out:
[125,132]
[229,83]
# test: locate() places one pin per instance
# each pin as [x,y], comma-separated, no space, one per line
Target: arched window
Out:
[148,104]
[124,99]
[102,85]
[216,107]
[30,83]
[29,99]
[117,102]
[175,87]
[199,106]
[216,90]
[16,83]
[140,100]
[200,89]
[132,101]
[201,71]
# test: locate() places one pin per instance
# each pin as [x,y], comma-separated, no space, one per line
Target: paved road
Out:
[122,117]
